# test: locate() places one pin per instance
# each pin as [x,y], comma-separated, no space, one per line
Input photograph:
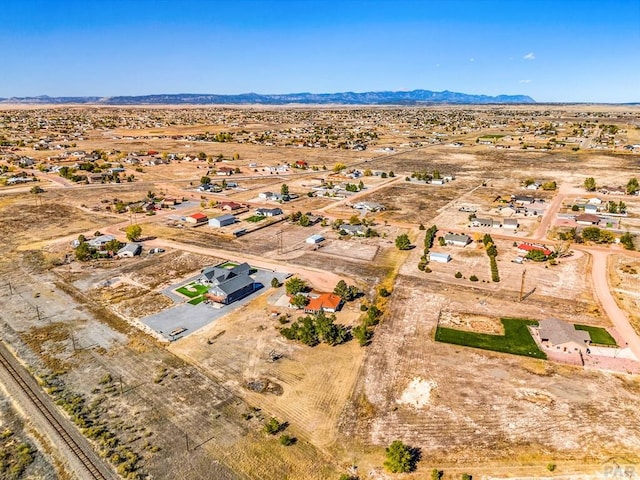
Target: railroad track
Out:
[91,466]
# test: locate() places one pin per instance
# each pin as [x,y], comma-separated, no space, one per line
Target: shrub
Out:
[473,278]
[458,275]
[551,467]
[273,426]
[287,440]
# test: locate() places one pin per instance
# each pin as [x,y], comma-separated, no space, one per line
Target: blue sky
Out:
[552,50]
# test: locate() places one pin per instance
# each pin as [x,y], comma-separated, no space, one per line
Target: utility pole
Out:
[186,437]
[522,285]
[38,312]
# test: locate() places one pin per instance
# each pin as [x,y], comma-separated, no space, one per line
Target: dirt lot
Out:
[625,282]
[479,405]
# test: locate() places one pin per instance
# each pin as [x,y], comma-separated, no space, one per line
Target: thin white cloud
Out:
[529,56]
[524,81]
[472,59]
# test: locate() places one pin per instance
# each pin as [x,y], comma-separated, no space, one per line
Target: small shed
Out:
[440,257]
[222,221]
[315,239]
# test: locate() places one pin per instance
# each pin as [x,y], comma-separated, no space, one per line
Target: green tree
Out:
[400,458]
[590,184]
[84,251]
[133,232]
[113,245]
[284,190]
[275,283]
[346,292]
[591,234]
[205,180]
[273,426]
[627,240]
[536,256]
[304,221]
[299,300]
[436,474]
[632,186]
[287,440]
[295,285]
[363,334]
[403,242]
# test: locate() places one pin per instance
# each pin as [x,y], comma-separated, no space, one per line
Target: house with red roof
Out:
[527,247]
[327,302]
[197,219]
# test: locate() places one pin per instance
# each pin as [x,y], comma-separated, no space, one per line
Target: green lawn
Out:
[598,335]
[256,218]
[196,301]
[228,265]
[489,137]
[516,340]
[198,290]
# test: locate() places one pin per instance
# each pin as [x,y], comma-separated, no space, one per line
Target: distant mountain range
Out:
[415,97]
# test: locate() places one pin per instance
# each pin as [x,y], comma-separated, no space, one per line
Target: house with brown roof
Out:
[587,219]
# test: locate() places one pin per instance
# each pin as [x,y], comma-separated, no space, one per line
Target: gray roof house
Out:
[269,212]
[353,229]
[101,240]
[457,240]
[562,336]
[482,222]
[228,284]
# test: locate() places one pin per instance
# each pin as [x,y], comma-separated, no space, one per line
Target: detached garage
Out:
[440,257]
[315,239]
[222,221]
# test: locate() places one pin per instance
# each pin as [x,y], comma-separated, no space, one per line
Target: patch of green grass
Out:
[516,339]
[199,290]
[598,335]
[256,218]
[228,265]
[196,301]
[489,137]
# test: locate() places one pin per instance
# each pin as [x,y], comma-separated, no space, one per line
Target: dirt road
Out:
[319,279]
[601,289]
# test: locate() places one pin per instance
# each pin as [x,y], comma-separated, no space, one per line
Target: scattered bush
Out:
[473,278]
[458,275]
[287,440]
